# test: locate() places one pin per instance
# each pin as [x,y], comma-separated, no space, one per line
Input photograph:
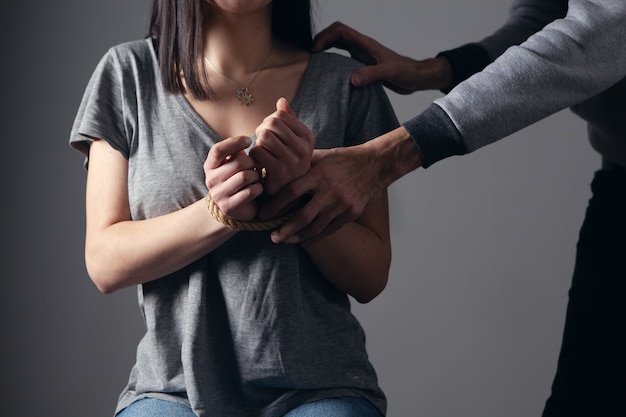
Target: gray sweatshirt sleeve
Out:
[526,17]
[569,60]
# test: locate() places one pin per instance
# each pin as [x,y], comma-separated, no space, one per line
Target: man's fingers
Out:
[327,38]
[288,232]
[339,35]
[286,197]
[309,224]
[360,78]
[386,72]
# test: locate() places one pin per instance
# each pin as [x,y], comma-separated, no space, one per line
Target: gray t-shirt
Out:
[253,328]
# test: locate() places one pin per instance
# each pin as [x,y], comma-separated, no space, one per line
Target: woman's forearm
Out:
[128,253]
[358,266]
[357,257]
[122,252]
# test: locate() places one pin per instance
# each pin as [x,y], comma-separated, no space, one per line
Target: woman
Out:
[236,325]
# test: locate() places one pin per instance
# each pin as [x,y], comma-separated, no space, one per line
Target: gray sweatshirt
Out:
[549,55]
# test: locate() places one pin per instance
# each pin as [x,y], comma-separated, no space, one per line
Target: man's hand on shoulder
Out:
[399,73]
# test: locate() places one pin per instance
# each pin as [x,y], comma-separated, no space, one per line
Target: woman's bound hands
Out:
[232,178]
[281,154]
[284,147]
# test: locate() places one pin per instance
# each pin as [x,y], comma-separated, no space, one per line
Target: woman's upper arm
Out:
[107,188]
[376,218]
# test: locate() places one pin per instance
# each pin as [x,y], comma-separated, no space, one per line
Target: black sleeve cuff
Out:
[435,135]
[466,61]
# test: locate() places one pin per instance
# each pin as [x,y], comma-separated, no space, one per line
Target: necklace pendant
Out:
[244,96]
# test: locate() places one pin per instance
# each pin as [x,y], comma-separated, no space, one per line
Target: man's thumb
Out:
[365,76]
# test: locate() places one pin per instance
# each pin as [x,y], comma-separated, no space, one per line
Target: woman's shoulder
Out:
[140,51]
[137,46]
[331,70]
[335,62]
[130,63]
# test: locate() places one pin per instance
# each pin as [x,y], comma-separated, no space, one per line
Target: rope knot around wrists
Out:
[252,225]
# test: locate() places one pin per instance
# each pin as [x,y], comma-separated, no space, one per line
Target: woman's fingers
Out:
[232,179]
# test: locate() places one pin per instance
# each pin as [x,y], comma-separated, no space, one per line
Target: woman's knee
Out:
[154,407]
[336,407]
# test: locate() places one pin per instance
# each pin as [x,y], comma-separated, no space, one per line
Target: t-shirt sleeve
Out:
[371,114]
[104,110]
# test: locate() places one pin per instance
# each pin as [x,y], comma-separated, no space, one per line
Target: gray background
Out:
[471,321]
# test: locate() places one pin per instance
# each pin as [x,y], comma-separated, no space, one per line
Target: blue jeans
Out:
[153,407]
[334,407]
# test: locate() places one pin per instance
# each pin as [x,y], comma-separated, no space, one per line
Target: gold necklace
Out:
[243,94]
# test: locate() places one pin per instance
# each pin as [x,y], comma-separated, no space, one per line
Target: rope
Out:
[253,226]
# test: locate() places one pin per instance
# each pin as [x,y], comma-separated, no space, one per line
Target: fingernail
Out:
[249,140]
[358,79]
[275,238]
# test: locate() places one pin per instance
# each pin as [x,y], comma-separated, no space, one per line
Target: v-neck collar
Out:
[294,104]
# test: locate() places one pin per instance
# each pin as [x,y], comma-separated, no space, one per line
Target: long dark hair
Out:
[176,27]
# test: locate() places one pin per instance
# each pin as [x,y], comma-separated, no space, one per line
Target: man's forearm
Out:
[394,155]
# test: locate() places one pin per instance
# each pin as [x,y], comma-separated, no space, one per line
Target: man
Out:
[550,55]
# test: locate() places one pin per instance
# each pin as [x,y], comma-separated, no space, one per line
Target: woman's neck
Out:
[237,43]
